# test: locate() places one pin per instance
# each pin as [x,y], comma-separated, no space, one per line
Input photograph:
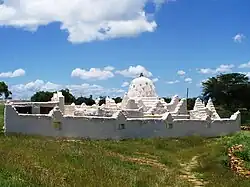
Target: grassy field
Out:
[38,161]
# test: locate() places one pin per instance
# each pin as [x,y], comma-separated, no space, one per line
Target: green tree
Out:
[90,101]
[42,96]
[230,90]
[68,97]
[118,99]
[167,99]
[80,100]
[4,90]
[102,100]
[87,100]
[45,96]
[190,103]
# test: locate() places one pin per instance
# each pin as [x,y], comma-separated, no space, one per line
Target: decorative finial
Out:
[141,75]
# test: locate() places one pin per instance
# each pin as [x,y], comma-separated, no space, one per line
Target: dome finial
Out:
[141,75]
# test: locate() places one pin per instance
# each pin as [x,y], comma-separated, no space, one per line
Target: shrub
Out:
[242,138]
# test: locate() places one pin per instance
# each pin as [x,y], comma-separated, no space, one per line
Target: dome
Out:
[141,87]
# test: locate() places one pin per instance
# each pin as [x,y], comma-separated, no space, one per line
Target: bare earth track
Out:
[189,175]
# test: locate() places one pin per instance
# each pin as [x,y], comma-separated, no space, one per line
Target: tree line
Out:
[4,90]
[230,91]
[44,96]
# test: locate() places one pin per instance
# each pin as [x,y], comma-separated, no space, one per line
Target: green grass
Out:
[39,161]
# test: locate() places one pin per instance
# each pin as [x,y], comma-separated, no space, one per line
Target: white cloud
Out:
[246,65]
[248,74]
[38,85]
[159,3]
[188,80]
[135,71]
[200,83]
[173,82]
[25,91]
[109,68]
[155,79]
[224,68]
[221,69]
[238,38]
[84,20]
[92,73]
[207,71]
[95,90]
[181,72]
[125,84]
[16,73]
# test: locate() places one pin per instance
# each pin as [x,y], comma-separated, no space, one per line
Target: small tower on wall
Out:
[60,99]
[199,111]
[210,106]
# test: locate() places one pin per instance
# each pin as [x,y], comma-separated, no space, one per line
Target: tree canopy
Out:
[68,97]
[230,90]
[103,100]
[118,99]
[87,100]
[4,90]
[42,96]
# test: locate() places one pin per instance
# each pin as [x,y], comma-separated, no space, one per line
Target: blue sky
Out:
[96,47]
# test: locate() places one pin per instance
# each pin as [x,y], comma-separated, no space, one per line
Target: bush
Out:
[242,138]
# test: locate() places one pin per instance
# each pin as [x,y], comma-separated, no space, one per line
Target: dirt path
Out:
[189,175]
[150,160]
[140,160]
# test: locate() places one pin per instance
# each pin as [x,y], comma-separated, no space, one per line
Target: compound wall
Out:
[113,128]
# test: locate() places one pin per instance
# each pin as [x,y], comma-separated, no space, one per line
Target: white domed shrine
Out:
[142,91]
[141,87]
[141,114]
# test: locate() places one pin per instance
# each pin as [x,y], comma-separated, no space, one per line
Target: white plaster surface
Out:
[142,87]
[108,127]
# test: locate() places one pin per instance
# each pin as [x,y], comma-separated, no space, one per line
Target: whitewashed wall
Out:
[104,128]
[69,109]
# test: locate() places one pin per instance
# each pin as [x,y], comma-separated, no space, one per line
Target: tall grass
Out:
[40,161]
